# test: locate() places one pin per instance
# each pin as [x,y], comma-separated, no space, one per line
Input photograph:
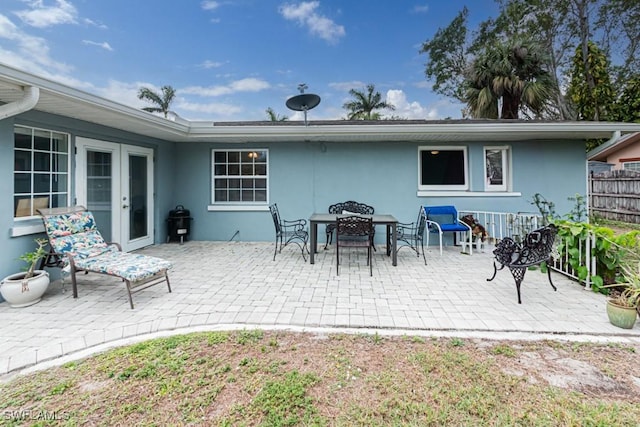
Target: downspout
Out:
[30,98]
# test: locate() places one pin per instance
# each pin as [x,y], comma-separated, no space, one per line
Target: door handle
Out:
[125,206]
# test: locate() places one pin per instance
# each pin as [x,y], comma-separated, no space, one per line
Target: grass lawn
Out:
[252,377]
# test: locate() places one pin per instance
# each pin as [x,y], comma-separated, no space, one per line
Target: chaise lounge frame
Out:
[76,243]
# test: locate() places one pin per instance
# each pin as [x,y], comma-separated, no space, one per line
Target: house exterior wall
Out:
[14,246]
[631,151]
[307,177]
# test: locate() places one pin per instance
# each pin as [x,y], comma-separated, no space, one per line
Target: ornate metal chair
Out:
[443,219]
[413,234]
[348,208]
[289,231]
[354,232]
[77,244]
[518,257]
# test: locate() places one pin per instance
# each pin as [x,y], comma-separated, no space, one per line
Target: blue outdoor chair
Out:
[443,219]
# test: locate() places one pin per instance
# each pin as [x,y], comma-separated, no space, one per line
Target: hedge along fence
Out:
[615,196]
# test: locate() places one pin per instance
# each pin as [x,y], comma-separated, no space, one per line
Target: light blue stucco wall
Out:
[14,246]
[307,177]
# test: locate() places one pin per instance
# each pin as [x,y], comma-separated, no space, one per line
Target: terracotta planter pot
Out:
[622,317]
[20,292]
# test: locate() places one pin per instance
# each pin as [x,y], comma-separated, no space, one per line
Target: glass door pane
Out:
[99,187]
[138,196]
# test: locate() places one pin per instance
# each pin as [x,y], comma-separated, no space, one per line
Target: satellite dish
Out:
[303,102]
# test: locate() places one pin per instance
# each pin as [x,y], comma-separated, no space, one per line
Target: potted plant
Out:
[622,306]
[27,287]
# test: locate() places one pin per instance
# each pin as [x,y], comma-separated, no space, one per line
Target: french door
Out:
[115,182]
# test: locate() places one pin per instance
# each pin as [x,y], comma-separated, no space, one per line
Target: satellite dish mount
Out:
[303,102]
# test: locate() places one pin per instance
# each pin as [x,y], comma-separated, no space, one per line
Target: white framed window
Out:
[240,177]
[443,168]
[631,166]
[497,168]
[41,170]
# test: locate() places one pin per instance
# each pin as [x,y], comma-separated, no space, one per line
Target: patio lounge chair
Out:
[443,219]
[76,242]
[413,234]
[289,231]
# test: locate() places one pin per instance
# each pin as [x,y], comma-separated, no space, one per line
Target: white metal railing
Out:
[516,225]
[504,224]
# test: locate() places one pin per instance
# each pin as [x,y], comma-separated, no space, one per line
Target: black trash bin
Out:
[178,224]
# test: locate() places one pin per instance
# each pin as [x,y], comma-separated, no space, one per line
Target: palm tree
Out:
[512,73]
[162,101]
[275,117]
[364,104]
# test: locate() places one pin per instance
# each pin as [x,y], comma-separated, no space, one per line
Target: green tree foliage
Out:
[448,54]
[511,73]
[162,101]
[275,117]
[364,104]
[557,26]
[590,89]
[628,104]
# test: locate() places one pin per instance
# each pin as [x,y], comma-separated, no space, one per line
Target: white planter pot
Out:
[19,292]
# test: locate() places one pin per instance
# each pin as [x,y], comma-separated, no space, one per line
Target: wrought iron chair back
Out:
[413,234]
[535,249]
[289,231]
[348,207]
[355,232]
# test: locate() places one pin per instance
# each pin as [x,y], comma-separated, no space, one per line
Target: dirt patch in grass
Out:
[282,378]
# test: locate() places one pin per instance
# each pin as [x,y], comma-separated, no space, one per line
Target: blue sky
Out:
[232,59]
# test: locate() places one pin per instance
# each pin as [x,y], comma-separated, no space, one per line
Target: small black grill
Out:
[178,224]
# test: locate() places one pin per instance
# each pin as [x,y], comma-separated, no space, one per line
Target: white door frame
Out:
[119,205]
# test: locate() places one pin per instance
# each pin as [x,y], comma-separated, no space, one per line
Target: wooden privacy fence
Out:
[615,195]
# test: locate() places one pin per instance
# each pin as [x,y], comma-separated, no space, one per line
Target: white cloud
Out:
[347,86]
[222,109]
[94,24]
[104,45]
[305,15]
[210,5]
[406,109]
[42,16]
[211,64]
[421,8]
[27,52]
[244,85]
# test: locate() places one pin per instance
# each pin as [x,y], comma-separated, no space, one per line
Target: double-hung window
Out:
[443,168]
[41,170]
[496,168]
[240,176]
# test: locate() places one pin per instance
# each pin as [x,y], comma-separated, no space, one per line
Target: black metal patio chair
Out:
[289,231]
[347,208]
[413,234]
[354,232]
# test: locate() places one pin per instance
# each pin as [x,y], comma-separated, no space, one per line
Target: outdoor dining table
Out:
[378,219]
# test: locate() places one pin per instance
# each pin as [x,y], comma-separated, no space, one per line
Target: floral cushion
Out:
[75,234]
[133,267]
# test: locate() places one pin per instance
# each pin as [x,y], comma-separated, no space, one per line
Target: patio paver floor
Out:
[220,285]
